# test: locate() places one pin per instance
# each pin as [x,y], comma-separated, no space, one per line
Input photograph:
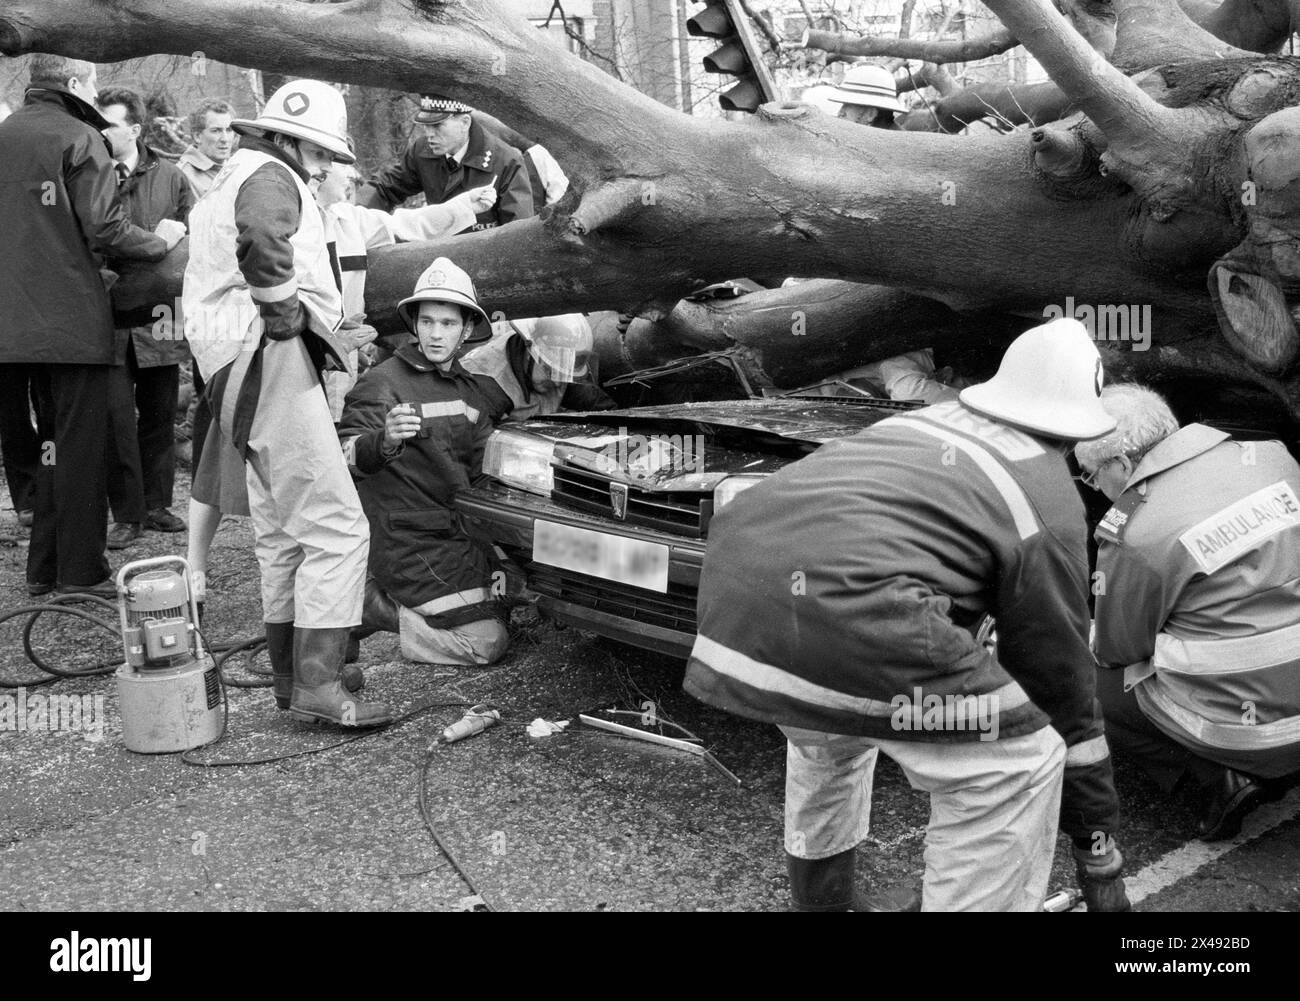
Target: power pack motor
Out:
[168,690]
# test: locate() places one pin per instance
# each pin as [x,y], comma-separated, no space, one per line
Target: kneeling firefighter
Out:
[841,598]
[414,429]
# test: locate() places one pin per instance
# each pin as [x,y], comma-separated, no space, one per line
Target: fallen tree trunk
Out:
[1128,211]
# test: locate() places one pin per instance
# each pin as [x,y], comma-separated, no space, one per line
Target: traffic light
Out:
[739,56]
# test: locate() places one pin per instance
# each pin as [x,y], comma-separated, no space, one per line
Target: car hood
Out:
[649,446]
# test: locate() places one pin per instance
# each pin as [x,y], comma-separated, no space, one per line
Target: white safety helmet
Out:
[1049,383]
[442,281]
[562,345]
[305,109]
[869,85]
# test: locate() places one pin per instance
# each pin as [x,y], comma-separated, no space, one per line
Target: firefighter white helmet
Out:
[1049,383]
[305,109]
[442,281]
[562,346]
[869,85]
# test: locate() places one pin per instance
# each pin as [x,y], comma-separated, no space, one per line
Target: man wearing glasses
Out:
[1198,600]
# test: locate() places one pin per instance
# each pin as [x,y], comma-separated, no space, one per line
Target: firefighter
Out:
[414,427]
[263,313]
[868,96]
[1198,602]
[843,597]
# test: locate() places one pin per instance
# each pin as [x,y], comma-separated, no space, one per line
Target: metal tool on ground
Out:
[168,689]
[691,744]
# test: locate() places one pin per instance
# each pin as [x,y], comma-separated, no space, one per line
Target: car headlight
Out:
[727,491]
[521,460]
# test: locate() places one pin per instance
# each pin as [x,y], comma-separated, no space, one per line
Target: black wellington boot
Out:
[279,651]
[318,692]
[827,885]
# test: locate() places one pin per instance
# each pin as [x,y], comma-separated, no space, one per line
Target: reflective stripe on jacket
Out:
[1200,566]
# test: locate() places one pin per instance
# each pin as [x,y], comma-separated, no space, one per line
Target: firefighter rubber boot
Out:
[827,885]
[378,611]
[279,651]
[1100,880]
[318,692]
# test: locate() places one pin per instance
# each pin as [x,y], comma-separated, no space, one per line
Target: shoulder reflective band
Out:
[1017,503]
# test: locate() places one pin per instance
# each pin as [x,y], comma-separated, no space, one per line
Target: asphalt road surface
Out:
[578,821]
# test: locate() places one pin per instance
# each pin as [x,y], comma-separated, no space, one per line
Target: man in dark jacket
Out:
[842,597]
[61,208]
[452,154]
[414,428]
[147,378]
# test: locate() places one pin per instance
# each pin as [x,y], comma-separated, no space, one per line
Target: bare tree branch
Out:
[963,50]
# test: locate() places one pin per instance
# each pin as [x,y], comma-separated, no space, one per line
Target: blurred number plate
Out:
[612,557]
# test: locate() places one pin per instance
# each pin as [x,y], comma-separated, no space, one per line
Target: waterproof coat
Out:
[261,267]
[486,157]
[156,190]
[61,210]
[842,593]
[1200,562]
[419,549]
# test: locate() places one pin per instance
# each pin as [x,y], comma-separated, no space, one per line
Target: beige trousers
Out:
[470,644]
[313,539]
[994,810]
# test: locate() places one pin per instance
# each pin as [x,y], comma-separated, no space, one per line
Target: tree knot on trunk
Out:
[785,110]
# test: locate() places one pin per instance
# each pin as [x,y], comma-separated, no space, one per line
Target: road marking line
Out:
[1182,862]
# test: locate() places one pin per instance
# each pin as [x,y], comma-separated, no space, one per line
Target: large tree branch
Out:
[1154,32]
[954,50]
[1117,106]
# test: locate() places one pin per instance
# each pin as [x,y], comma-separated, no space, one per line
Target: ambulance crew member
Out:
[1198,601]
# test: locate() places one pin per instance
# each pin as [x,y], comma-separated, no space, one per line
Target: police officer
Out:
[451,154]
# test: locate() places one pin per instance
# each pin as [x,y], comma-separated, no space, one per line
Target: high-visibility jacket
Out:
[840,594]
[1199,596]
[260,264]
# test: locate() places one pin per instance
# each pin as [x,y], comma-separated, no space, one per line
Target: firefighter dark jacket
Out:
[61,210]
[419,549]
[842,594]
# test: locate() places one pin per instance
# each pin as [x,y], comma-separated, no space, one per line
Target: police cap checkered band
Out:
[434,109]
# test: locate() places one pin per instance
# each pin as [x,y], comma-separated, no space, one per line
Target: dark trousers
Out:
[202,419]
[71,509]
[142,449]
[19,445]
[1129,732]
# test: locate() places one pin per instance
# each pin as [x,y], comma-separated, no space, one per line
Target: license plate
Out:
[599,554]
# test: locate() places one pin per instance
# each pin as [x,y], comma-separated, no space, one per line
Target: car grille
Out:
[681,512]
[674,610]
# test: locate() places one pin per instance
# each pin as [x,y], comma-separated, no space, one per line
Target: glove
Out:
[1099,878]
